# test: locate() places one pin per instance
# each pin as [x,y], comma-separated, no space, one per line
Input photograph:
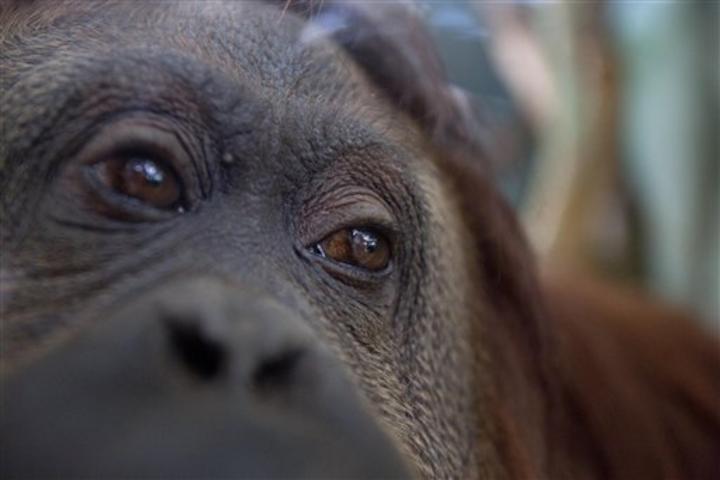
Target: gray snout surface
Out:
[197,380]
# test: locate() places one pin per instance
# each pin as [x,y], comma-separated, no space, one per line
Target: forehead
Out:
[252,45]
[235,61]
[250,39]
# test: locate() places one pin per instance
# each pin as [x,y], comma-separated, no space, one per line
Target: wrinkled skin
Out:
[215,341]
[279,142]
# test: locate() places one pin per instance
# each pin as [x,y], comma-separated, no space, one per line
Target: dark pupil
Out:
[148,170]
[365,239]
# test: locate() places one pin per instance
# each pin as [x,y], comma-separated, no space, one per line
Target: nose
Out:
[216,333]
[201,379]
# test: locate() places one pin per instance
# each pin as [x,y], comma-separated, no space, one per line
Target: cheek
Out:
[442,333]
[360,331]
[7,286]
[29,327]
[451,257]
[451,313]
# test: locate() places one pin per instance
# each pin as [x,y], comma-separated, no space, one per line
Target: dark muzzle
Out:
[199,380]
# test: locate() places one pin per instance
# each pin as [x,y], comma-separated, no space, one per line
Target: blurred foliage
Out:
[608,113]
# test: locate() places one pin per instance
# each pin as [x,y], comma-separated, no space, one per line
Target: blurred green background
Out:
[607,118]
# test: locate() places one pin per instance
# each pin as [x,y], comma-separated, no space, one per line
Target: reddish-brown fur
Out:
[592,381]
[639,384]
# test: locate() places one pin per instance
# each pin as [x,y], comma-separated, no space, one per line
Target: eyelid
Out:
[349,274]
[349,207]
[131,135]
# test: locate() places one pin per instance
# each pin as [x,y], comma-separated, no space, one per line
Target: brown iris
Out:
[142,179]
[361,247]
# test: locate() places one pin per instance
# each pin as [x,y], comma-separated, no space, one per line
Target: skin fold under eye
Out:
[360,247]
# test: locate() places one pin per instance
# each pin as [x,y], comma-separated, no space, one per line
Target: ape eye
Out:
[141,178]
[361,247]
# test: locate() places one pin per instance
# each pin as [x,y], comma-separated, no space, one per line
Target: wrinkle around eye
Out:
[343,207]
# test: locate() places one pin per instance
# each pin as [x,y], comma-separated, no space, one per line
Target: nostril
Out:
[277,370]
[202,355]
